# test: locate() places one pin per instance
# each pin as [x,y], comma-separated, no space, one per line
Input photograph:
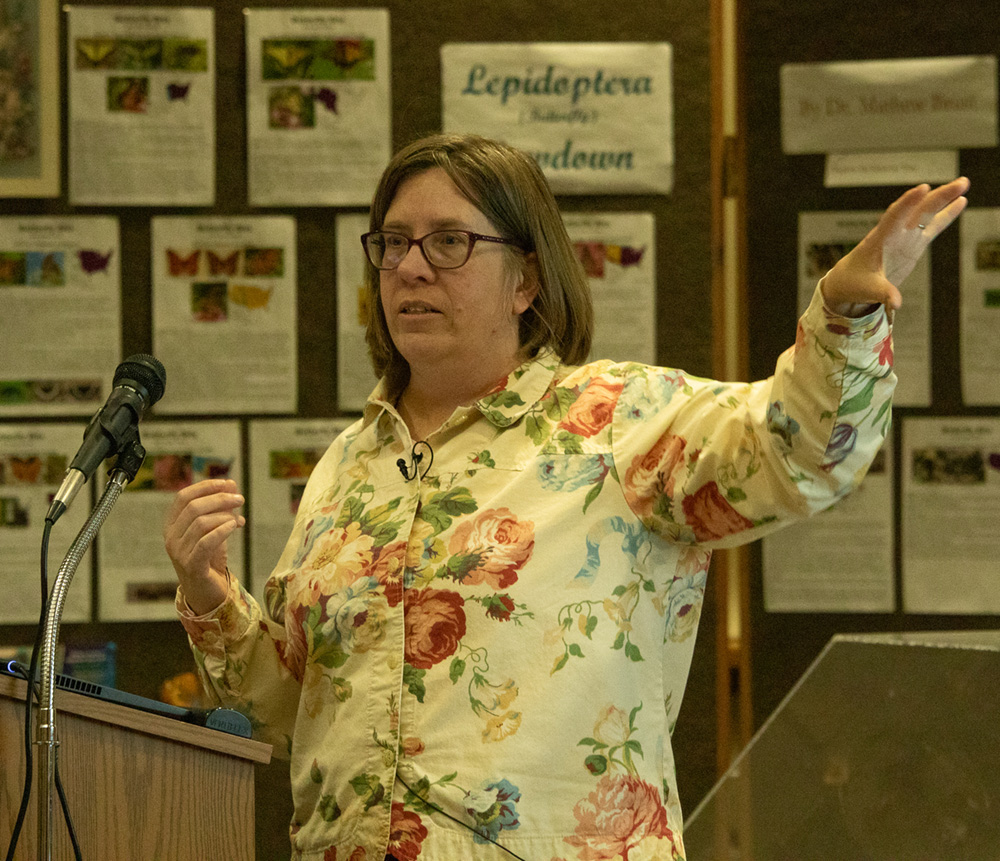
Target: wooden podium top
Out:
[145,722]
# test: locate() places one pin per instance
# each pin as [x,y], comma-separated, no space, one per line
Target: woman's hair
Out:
[508,187]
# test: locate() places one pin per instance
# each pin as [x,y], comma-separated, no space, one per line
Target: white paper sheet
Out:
[849,170]
[355,377]
[137,580]
[60,288]
[866,105]
[950,507]
[825,237]
[318,106]
[618,252]
[979,275]
[841,560]
[224,306]
[33,462]
[141,105]
[565,103]
[283,453]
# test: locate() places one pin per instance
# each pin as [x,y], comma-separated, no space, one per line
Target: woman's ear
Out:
[531,282]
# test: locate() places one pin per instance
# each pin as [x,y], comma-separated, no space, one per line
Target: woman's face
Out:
[450,318]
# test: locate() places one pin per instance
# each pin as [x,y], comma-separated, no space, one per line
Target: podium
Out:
[138,785]
[885,750]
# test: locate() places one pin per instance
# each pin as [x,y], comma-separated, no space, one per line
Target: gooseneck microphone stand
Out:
[130,458]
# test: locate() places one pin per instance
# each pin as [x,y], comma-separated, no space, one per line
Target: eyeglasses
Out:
[443,249]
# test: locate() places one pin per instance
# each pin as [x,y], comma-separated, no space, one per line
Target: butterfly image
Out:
[347,52]
[140,54]
[218,265]
[95,53]
[93,261]
[26,469]
[268,262]
[327,97]
[178,92]
[249,296]
[179,265]
[284,59]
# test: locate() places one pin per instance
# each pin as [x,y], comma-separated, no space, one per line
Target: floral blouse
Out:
[486,659]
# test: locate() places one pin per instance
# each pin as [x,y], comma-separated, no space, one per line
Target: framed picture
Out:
[29,96]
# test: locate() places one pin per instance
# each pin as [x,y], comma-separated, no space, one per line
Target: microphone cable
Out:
[416,457]
[454,819]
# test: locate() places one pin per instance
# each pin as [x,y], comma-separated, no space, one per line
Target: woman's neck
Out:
[429,399]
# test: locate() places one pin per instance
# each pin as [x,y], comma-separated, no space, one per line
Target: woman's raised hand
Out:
[872,271]
[197,526]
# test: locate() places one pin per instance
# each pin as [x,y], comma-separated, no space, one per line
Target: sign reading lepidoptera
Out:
[598,117]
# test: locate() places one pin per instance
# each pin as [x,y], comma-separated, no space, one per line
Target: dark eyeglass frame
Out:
[472,237]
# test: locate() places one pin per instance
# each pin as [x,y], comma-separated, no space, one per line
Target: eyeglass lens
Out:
[443,248]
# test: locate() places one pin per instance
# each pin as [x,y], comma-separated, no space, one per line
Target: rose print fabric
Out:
[495,652]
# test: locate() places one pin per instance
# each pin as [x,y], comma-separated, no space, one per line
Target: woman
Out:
[477,638]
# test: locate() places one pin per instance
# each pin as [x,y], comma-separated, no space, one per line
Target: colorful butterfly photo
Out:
[179,264]
[290,108]
[178,92]
[139,55]
[185,55]
[264,262]
[285,59]
[130,95]
[96,53]
[219,264]
[92,262]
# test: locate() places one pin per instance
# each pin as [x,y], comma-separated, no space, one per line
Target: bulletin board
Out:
[779,187]
[150,652]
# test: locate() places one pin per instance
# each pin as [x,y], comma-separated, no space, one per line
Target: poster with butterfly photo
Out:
[282,455]
[33,462]
[617,250]
[224,313]
[355,376]
[29,94]
[318,106]
[136,580]
[60,286]
[141,105]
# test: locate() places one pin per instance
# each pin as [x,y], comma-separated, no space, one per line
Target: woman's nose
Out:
[414,263]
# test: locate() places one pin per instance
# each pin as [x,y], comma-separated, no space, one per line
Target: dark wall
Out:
[781,186]
[151,652]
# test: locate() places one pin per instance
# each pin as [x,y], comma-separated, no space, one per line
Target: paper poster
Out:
[852,170]
[618,252]
[224,313]
[283,453]
[564,103]
[319,129]
[33,462]
[141,105]
[355,377]
[825,237]
[137,581]
[840,560]
[950,500]
[29,94]
[979,276]
[866,105]
[60,287]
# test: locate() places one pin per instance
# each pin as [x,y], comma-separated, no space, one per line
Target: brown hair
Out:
[508,187]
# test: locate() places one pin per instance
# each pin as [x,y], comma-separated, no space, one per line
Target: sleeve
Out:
[249,657]
[721,464]
[238,655]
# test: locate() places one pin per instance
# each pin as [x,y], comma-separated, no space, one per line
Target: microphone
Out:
[415,458]
[139,382]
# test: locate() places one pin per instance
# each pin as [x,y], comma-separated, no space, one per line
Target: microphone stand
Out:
[129,460]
